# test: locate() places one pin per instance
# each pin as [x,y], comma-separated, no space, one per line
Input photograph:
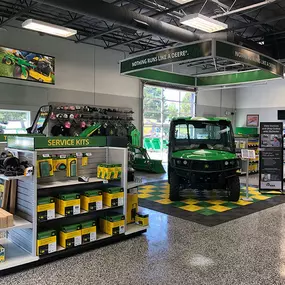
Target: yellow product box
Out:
[132,207]
[71,169]
[46,242]
[142,220]
[68,204]
[109,172]
[118,171]
[101,170]
[92,200]
[113,225]
[70,236]
[44,166]
[88,231]
[46,209]
[113,197]
[59,163]
[2,254]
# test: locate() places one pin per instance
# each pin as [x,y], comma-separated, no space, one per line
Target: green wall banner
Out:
[245,55]
[168,56]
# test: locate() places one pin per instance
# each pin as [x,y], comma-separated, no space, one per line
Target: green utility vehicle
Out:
[202,156]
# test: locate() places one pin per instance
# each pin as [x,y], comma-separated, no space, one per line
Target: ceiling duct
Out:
[126,18]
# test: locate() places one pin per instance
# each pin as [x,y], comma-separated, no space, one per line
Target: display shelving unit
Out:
[245,142]
[20,240]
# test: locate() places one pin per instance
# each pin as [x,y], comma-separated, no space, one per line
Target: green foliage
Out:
[6,116]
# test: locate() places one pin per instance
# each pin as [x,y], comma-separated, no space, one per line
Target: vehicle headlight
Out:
[226,163]
[185,162]
[232,162]
[178,162]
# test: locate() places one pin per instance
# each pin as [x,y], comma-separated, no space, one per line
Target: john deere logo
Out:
[206,166]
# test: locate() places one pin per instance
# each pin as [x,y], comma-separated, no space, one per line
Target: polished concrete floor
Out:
[247,251]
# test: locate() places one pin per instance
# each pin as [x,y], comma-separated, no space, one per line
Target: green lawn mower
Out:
[140,160]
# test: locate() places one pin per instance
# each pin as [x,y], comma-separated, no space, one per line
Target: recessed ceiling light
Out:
[203,23]
[48,28]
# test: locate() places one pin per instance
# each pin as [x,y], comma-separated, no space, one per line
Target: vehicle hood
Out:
[203,154]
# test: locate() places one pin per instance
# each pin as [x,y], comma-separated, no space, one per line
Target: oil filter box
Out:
[2,253]
[113,224]
[46,209]
[92,200]
[70,236]
[71,170]
[142,219]
[88,231]
[46,242]
[113,197]
[132,207]
[68,204]
[44,166]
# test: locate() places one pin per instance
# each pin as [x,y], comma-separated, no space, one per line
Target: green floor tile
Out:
[230,205]
[204,204]
[178,204]
[154,198]
[207,212]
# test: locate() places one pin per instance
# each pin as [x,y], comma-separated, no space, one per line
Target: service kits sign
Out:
[271,156]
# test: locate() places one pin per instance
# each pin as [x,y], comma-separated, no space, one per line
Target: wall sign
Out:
[271,156]
[252,120]
[26,65]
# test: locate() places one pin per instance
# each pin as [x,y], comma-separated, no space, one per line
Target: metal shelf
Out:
[19,223]
[15,256]
[56,184]
[134,228]
[8,178]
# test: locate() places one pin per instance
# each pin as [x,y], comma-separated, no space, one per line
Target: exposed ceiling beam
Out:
[129,41]
[18,14]
[94,36]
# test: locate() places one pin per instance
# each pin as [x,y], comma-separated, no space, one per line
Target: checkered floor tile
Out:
[206,203]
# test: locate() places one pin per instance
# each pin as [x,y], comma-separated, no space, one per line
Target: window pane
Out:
[171,94]
[14,122]
[171,110]
[186,110]
[187,97]
[152,92]
[152,105]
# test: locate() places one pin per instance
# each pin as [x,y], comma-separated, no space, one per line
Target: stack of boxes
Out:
[109,171]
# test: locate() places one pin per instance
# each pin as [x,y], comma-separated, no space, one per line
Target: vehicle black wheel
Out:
[174,187]
[7,61]
[17,72]
[234,188]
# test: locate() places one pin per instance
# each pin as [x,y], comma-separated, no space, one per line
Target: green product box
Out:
[113,224]
[68,204]
[113,197]
[92,200]
[88,231]
[70,236]
[46,242]
[46,209]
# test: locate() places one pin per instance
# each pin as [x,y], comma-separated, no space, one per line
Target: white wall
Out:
[263,99]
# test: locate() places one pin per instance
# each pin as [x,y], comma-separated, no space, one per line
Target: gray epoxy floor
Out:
[250,250]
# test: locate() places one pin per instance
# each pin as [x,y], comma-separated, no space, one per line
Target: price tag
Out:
[62,156]
[79,154]
[105,181]
[89,154]
[46,155]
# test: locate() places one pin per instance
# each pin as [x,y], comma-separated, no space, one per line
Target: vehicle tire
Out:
[7,61]
[233,186]
[17,73]
[174,187]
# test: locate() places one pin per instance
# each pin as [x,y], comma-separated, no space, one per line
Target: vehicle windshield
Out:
[203,135]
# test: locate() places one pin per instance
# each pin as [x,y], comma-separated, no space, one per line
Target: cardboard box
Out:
[132,207]
[6,219]
[113,197]
[46,209]
[109,171]
[92,200]
[142,219]
[113,224]
[2,254]
[88,231]
[46,242]
[68,204]
[70,236]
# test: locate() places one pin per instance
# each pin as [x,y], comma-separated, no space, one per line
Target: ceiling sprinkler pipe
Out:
[266,2]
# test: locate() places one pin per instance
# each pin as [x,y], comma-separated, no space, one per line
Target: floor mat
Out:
[208,208]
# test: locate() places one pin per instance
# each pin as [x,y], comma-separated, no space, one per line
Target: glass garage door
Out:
[160,105]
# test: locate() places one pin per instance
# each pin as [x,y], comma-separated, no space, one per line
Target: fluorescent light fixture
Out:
[183,1]
[203,23]
[48,28]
